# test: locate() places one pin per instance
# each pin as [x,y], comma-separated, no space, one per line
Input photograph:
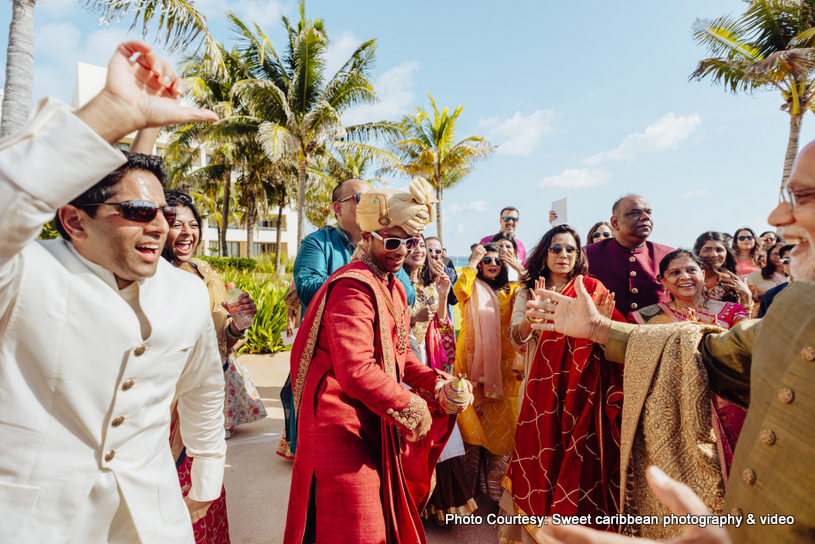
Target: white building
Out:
[90,80]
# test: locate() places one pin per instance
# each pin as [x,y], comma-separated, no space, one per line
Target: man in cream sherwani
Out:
[98,334]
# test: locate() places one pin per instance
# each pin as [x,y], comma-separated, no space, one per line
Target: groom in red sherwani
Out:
[367,445]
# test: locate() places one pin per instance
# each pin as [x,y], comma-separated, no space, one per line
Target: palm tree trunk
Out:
[301,199]
[439,215]
[277,247]
[19,67]
[225,215]
[250,226]
[792,146]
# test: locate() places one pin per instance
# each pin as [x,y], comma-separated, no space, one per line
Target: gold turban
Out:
[383,208]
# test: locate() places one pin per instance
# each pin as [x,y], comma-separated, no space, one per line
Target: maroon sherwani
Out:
[631,274]
[368,482]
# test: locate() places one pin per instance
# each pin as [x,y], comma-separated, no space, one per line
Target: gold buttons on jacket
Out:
[110,455]
[767,436]
[634,291]
[633,305]
[737,512]
[118,421]
[632,273]
[786,395]
[808,353]
[127,385]
[139,351]
[632,259]
[749,476]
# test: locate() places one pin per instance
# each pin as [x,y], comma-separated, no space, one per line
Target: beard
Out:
[803,269]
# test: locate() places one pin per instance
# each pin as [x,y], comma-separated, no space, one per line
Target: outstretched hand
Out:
[676,496]
[141,91]
[576,317]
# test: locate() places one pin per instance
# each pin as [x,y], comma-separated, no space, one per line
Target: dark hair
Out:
[730,257]
[734,244]
[425,272]
[504,235]
[769,268]
[509,209]
[786,248]
[768,232]
[618,201]
[536,261]
[136,162]
[675,254]
[180,199]
[502,279]
[594,229]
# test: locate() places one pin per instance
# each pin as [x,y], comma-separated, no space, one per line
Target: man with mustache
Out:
[771,358]
[628,264]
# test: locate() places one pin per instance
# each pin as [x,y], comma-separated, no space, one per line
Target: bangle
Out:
[532,321]
[233,335]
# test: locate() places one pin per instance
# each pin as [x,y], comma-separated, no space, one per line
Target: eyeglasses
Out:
[604,234]
[356,196]
[392,244]
[796,197]
[492,260]
[557,250]
[434,251]
[785,261]
[139,211]
[743,238]
[508,219]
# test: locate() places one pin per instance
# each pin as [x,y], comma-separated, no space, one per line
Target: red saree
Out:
[566,455]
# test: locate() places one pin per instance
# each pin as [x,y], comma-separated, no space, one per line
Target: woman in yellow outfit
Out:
[485,354]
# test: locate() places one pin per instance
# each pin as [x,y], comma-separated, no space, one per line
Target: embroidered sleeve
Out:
[411,415]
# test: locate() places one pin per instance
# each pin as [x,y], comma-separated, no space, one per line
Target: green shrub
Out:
[270,321]
[222,264]
[266,263]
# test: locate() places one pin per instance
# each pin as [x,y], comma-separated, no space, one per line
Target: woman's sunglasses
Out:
[392,244]
[557,250]
[743,238]
[492,260]
[605,234]
[434,251]
[138,211]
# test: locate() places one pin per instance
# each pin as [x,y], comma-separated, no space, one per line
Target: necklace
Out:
[705,309]
[398,318]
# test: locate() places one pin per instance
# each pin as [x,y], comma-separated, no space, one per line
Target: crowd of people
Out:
[611,380]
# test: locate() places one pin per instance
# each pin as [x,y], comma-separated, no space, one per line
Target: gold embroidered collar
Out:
[363,256]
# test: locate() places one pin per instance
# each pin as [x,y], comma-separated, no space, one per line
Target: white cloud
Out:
[519,134]
[339,51]
[396,97]
[666,133]
[460,228]
[698,192]
[475,206]
[575,178]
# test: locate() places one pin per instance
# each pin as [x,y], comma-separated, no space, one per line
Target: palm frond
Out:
[724,38]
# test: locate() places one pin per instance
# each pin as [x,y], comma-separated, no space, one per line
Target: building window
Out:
[263,248]
[234,249]
[123,146]
[214,249]
[270,223]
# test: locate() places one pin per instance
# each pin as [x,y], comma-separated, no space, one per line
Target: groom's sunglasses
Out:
[138,211]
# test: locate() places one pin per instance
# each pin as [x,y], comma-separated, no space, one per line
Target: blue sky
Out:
[585,100]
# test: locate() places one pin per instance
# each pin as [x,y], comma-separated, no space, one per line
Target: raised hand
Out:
[478,254]
[141,91]
[443,286]
[739,286]
[578,317]
[513,261]
[605,304]
[552,216]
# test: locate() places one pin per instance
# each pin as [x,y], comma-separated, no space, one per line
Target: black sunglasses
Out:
[139,211]
[356,196]
[604,234]
[491,260]
[559,249]
[743,238]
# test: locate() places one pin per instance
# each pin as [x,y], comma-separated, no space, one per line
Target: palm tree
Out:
[769,46]
[427,148]
[178,22]
[301,111]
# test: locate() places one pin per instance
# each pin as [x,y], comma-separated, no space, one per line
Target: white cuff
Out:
[206,477]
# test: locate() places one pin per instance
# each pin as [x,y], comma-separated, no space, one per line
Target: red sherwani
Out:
[369,484]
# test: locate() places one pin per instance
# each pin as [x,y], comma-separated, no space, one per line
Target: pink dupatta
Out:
[482,317]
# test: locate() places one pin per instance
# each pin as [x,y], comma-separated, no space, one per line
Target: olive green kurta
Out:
[774,462]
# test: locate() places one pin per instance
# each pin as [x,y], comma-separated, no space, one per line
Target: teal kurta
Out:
[773,358]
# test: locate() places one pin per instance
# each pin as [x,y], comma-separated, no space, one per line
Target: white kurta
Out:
[84,398]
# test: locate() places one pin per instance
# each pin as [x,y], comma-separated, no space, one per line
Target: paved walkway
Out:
[257,480]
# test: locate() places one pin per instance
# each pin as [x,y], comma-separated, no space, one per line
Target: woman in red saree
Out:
[566,455]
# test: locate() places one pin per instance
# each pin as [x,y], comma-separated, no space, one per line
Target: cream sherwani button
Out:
[110,455]
[139,351]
